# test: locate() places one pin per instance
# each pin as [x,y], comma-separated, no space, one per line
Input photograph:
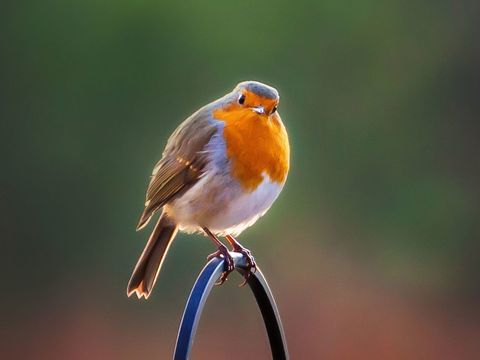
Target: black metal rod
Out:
[198,297]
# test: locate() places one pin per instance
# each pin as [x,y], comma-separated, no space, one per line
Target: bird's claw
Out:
[251,265]
[229,264]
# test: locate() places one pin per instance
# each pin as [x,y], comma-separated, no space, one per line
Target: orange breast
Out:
[256,145]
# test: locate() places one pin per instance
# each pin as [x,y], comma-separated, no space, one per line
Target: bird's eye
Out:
[241,99]
[274,109]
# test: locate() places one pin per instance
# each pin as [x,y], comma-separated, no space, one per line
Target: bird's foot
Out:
[251,265]
[228,263]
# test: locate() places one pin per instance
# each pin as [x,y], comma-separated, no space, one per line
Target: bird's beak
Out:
[259,109]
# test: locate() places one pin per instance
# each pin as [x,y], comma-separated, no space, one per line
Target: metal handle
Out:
[198,297]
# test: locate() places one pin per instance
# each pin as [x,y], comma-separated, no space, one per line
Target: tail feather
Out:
[150,261]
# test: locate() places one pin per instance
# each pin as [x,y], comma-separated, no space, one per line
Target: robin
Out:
[221,170]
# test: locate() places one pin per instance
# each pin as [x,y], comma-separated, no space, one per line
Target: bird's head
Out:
[255,96]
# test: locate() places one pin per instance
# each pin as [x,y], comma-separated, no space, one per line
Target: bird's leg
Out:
[222,250]
[251,265]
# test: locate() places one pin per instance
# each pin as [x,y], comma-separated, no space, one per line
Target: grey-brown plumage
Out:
[181,166]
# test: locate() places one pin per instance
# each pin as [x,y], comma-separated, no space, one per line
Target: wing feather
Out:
[182,164]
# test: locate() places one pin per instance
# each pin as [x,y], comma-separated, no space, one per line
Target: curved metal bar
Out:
[198,297]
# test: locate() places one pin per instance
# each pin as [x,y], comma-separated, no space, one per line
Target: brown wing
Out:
[182,163]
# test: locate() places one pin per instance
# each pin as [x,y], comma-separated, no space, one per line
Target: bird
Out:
[221,170]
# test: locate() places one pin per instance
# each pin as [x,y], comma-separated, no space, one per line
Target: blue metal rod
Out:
[198,297]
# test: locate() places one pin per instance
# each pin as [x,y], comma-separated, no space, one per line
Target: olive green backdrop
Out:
[373,248]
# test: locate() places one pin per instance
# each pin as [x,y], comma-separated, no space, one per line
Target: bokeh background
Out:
[373,248]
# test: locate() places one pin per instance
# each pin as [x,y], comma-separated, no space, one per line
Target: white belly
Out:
[220,204]
[247,208]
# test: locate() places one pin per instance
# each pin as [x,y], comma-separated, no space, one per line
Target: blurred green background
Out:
[373,248]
